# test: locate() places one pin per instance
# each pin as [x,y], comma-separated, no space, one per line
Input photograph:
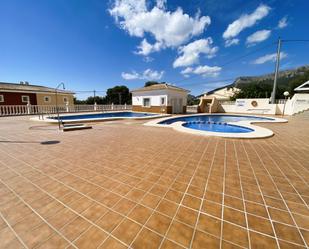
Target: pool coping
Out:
[49,120]
[258,132]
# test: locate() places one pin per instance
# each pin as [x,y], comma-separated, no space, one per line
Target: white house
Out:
[160,98]
[222,93]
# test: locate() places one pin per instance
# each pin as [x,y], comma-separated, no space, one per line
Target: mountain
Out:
[285,77]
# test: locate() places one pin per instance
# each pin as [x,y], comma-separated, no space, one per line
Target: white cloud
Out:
[145,48]
[231,42]
[268,57]
[205,71]
[258,36]
[245,21]
[148,74]
[283,22]
[190,54]
[168,28]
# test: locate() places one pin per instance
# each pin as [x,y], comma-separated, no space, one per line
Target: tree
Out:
[118,95]
[150,83]
[192,100]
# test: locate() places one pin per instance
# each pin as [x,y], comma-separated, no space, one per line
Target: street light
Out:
[57,109]
[286,94]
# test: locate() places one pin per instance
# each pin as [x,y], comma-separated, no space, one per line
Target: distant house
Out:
[24,93]
[222,93]
[303,88]
[160,98]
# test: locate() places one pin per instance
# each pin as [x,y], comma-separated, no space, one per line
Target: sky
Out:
[198,44]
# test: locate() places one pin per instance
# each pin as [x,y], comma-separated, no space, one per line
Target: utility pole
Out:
[273,95]
[119,95]
[94,96]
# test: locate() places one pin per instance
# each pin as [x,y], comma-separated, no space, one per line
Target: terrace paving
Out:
[124,185]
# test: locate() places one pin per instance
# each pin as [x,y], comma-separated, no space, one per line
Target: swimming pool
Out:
[106,116]
[219,125]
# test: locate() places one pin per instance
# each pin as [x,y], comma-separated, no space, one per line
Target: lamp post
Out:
[286,94]
[57,109]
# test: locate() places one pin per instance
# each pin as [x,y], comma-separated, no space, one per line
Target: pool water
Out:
[106,115]
[217,127]
[215,123]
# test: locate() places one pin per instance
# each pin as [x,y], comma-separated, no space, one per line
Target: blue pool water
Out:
[215,123]
[107,115]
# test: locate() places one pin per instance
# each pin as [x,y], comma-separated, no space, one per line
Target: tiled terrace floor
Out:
[125,185]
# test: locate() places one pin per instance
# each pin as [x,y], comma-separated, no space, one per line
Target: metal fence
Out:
[17,110]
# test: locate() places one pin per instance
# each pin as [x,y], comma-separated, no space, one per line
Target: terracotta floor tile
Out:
[180,233]
[109,221]
[256,209]
[94,212]
[37,236]
[235,234]
[192,202]
[305,234]
[61,218]
[124,206]
[302,221]
[134,159]
[150,200]
[212,208]
[261,241]
[147,239]
[73,229]
[186,215]
[127,231]
[234,202]
[174,196]
[202,239]
[167,244]
[158,223]
[7,237]
[140,214]
[91,239]
[167,207]
[288,233]
[54,242]
[234,216]
[209,224]
[281,216]
[259,224]
[112,243]
[287,245]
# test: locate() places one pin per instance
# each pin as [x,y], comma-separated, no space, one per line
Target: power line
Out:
[232,60]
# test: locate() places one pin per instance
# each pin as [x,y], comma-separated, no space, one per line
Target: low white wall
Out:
[299,103]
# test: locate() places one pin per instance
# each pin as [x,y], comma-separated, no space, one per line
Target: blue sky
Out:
[96,44]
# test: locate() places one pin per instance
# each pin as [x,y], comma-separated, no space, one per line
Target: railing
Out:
[280,101]
[192,108]
[227,102]
[16,110]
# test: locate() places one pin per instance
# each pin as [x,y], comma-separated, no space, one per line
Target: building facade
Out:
[160,98]
[23,94]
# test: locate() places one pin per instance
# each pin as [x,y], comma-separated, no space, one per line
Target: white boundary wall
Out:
[299,103]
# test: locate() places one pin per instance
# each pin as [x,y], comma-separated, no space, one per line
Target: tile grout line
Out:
[186,190]
[242,193]
[203,198]
[282,198]
[259,187]
[223,196]
[13,231]
[178,204]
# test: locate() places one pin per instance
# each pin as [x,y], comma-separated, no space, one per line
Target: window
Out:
[162,102]
[25,99]
[1,98]
[47,99]
[146,102]
[65,99]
